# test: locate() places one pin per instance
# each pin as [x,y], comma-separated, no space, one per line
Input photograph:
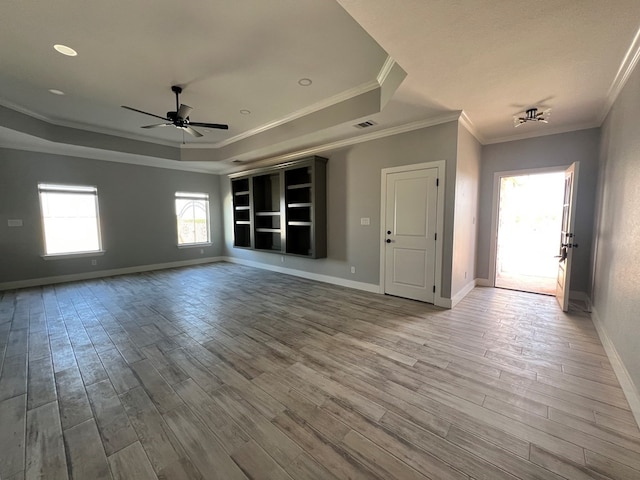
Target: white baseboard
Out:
[628,387]
[36,282]
[343,282]
[484,282]
[455,299]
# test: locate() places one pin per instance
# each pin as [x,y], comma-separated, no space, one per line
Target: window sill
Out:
[195,245]
[62,256]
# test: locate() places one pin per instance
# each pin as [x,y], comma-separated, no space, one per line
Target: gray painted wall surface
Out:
[353,192]
[466,211]
[550,151]
[616,278]
[137,213]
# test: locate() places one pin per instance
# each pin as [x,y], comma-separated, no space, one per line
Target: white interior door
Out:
[567,235]
[410,233]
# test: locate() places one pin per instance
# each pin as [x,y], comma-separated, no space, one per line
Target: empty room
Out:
[319,239]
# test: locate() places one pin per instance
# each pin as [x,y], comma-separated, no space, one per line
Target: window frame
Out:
[182,195]
[43,187]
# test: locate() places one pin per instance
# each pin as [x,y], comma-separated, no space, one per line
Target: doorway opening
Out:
[529,225]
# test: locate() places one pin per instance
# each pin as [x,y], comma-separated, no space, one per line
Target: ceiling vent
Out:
[367,124]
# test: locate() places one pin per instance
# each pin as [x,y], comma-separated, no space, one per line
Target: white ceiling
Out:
[488,58]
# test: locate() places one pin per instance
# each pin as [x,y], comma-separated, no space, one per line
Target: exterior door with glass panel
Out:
[567,236]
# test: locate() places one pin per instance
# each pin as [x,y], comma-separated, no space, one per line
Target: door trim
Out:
[495,212]
[440,165]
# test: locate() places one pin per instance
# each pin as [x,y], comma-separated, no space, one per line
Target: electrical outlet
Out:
[353,269]
[201,251]
[94,262]
[282,258]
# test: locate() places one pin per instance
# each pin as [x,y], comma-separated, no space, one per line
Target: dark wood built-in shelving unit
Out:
[282,209]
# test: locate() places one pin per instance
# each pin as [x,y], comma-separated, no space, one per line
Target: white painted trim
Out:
[466,122]
[327,147]
[35,282]
[631,392]
[543,132]
[455,299]
[495,209]
[386,69]
[343,282]
[438,300]
[627,66]
[316,107]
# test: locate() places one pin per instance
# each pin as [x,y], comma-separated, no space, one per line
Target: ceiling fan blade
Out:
[210,125]
[184,111]
[158,125]
[191,131]
[145,113]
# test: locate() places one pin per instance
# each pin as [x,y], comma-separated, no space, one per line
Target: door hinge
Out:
[434,289]
[437,182]
[436,237]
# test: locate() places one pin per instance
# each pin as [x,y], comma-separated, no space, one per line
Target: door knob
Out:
[388,240]
[388,232]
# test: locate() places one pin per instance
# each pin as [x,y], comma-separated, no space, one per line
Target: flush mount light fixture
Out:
[245,112]
[304,82]
[531,115]
[56,92]
[63,49]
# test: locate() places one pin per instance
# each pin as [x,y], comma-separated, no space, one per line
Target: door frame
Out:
[440,165]
[495,212]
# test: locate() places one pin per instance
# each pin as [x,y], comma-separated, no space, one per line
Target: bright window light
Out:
[192,212]
[70,219]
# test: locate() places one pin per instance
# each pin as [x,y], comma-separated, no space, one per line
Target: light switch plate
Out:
[365,221]
[14,222]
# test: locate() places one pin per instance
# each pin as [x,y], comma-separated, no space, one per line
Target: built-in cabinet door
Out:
[410,233]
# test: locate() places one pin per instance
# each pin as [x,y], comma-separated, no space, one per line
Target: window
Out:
[192,211]
[70,219]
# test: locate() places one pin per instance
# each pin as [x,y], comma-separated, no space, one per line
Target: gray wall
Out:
[466,211]
[137,213]
[353,192]
[550,151]
[616,278]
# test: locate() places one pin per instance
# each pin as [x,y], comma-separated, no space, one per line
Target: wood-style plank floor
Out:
[228,372]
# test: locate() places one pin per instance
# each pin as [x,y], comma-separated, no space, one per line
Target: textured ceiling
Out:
[488,58]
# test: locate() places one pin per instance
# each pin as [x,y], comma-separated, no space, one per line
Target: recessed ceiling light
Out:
[245,112]
[304,82]
[63,49]
[56,92]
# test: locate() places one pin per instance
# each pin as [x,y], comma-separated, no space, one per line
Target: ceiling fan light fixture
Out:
[531,115]
[64,50]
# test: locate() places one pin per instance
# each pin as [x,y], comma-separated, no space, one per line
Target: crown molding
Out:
[627,66]
[64,149]
[466,122]
[367,137]
[544,133]
[321,105]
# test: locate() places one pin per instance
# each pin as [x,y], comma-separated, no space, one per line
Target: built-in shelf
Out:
[300,185]
[282,208]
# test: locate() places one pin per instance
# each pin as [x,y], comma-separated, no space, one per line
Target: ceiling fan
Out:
[179,118]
